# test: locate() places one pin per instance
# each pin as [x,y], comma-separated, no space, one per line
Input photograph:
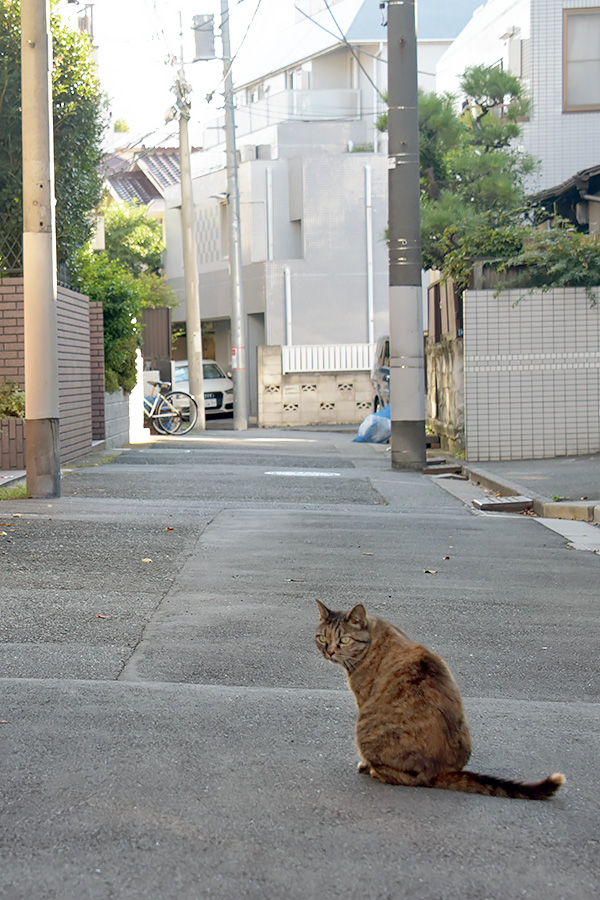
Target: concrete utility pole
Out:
[407,365]
[39,253]
[238,317]
[190,263]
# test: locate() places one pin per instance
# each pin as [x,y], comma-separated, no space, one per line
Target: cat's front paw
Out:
[364,768]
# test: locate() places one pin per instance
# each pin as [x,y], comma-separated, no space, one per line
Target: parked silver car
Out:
[218,388]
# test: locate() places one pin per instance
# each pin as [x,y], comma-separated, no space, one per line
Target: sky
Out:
[138,41]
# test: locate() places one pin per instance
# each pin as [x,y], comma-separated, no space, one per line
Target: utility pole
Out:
[407,364]
[39,254]
[190,263]
[238,318]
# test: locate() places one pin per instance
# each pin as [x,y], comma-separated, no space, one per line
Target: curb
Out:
[579,510]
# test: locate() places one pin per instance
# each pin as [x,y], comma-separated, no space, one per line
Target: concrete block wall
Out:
[117,419]
[532,374]
[444,401]
[309,398]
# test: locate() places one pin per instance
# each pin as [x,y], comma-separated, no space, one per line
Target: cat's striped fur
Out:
[411,727]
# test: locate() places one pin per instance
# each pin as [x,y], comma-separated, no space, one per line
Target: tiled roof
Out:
[130,186]
[161,167]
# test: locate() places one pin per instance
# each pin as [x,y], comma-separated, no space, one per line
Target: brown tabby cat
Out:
[411,728]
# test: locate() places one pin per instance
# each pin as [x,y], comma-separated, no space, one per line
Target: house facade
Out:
[553,46]
[313,189]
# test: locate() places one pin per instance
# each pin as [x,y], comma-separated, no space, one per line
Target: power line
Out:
[234,57]
[352,51]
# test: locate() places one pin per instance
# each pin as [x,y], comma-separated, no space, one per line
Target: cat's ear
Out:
[324,612]
[357,616]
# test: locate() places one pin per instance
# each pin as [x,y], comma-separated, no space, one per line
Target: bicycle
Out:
[170,412]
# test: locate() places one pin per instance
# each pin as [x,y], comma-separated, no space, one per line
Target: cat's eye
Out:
[345,639]
[322,638]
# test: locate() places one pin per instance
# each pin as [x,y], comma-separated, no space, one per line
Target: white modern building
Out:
[554,47]
[313,183]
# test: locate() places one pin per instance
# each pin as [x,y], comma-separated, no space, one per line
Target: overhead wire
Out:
[353,52]
[210,95]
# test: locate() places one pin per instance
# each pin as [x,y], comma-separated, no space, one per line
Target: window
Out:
[581,59]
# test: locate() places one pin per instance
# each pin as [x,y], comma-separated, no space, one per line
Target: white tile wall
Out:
[564,143]
[532,374]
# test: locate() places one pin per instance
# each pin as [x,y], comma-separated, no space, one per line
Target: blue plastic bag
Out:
[376,428]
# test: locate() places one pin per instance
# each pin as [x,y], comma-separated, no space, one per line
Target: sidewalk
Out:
[566,487]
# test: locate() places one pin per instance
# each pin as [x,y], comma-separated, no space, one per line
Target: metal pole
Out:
[407,366]
[39,254]
[238,318]
[369,255]
[287,293]
[190,262]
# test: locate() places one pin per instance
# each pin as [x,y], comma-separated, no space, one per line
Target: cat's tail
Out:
[473,783]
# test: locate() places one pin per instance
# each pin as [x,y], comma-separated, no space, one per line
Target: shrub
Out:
[12,400]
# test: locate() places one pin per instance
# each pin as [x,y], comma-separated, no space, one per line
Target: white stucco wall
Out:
[563,142]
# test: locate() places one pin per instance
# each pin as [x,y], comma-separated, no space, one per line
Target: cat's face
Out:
[341,637]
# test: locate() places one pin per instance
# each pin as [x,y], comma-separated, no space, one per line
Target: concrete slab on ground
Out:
[192,791]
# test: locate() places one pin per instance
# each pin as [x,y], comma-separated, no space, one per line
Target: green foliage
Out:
[135,240]
[440,131]
[79,115]
[155,292]
[10,115]
[125,278]
[120,126]
[117,289]
[16,492]
[472,180]
[495,104]
[12,400]
[560,257]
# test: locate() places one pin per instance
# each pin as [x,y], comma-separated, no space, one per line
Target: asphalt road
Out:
[170,731]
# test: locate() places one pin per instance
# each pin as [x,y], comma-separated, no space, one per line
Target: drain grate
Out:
[513,503]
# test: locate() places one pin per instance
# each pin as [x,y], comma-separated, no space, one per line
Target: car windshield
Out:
[181,373]
[212,370]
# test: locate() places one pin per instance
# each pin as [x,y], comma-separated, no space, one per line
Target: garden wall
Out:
[531,374]
[80,352]
[309,398]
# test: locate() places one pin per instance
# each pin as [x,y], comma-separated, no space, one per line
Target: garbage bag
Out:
[376,428]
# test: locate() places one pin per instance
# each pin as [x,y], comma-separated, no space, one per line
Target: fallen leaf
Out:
[368,554]
[446,557]
[295,579]
[102,616]
[3,532]
[4,722]
[146,559]
[16,515]
[430,571]
[168,528]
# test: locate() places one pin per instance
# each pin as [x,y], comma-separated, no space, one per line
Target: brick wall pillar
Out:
[97,371]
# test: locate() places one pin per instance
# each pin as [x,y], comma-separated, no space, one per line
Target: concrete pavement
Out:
[170,731]
[566,487]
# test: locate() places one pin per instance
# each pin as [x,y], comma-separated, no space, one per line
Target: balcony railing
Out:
[327,358]
[288,106]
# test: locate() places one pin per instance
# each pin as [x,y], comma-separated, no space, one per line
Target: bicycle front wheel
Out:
[177,413]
